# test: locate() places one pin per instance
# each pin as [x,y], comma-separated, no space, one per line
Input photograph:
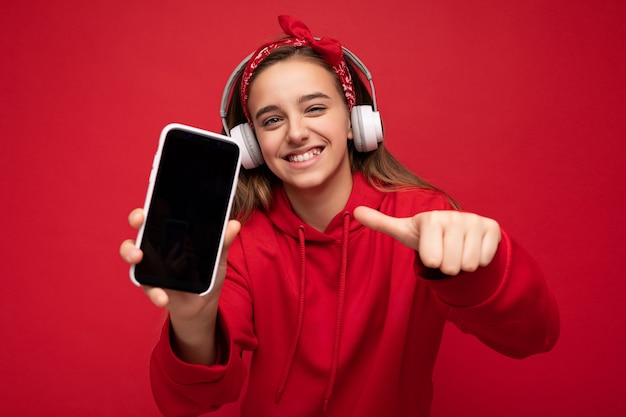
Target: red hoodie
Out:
[348,322]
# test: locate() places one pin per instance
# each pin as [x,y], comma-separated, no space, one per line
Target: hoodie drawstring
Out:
[294,345]
[340,302]
[339,319]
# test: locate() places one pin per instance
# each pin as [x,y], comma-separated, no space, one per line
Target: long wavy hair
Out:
[379,167]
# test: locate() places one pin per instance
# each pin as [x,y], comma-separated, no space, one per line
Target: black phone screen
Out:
[187,211]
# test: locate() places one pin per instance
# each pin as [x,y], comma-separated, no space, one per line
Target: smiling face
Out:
[302,124]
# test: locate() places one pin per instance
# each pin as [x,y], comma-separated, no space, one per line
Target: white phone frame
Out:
[151,183]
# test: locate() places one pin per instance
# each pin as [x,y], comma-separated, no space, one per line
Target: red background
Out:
[515,108]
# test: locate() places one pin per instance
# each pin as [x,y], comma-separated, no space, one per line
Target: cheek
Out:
[268,143]
[347,122]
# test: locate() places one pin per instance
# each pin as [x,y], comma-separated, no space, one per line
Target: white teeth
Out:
[305,156]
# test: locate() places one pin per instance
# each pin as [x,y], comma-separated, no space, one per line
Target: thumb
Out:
[232,229]
[401,229]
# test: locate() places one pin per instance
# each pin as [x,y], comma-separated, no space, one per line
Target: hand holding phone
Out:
[190,315]
[187,206]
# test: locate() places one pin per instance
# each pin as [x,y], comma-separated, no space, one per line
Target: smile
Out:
[304,156]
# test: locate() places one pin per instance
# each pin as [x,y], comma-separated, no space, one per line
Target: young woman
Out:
[342,266]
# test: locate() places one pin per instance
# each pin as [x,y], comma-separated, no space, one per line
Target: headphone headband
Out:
[230,83]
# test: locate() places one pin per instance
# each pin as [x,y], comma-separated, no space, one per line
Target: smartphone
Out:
[190,193]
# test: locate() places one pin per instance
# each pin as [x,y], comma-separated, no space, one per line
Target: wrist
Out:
[193,338]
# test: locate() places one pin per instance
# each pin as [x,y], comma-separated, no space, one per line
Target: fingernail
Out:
[161,300]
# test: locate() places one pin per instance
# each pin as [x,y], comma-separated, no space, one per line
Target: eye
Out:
[271,121]
[316,109]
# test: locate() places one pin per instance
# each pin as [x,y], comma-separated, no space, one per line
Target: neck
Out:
[319,205]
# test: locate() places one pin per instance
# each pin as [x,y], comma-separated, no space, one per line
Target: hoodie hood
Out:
[339,229]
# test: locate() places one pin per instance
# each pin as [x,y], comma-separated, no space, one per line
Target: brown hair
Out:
[379,167]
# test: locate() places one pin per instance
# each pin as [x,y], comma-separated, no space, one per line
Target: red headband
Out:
[329,49]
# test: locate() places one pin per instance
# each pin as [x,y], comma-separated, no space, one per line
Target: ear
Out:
[350,132]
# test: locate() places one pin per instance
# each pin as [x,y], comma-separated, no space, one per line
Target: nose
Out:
[297,130]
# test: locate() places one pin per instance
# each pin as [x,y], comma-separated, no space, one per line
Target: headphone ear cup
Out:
[367,128]
[251,156]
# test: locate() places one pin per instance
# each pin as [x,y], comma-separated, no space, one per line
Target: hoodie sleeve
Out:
[183,389]
[507,304]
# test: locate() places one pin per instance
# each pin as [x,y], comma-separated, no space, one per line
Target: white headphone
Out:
[367,127]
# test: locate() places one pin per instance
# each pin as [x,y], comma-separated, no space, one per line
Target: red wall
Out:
[515,108]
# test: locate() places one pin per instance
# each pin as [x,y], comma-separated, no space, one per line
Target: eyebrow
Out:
[301,99]
[312,96]
[264,110]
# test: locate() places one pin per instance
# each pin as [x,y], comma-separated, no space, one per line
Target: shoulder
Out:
[256,239]
[260,233]
[257,230]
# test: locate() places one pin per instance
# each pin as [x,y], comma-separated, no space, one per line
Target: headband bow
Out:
[299,35]
[328,48]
